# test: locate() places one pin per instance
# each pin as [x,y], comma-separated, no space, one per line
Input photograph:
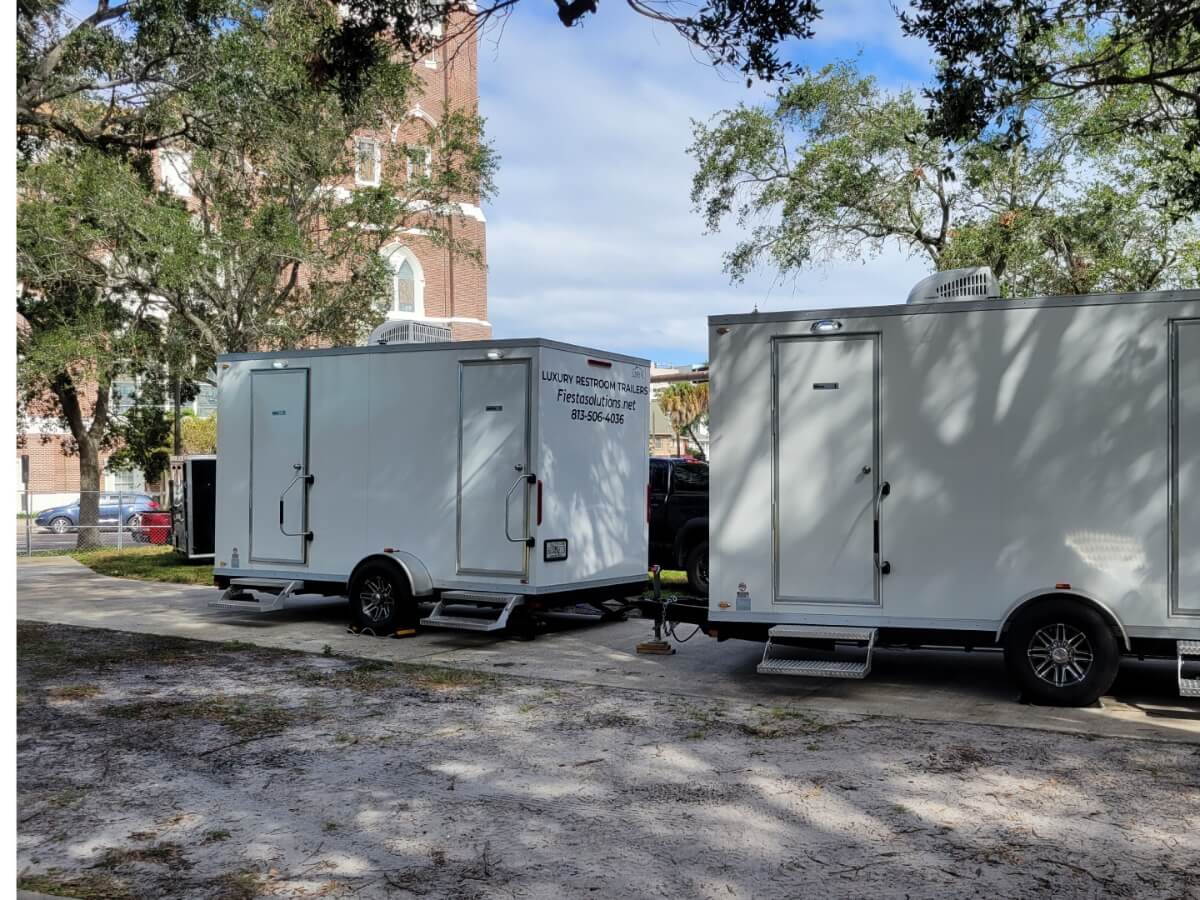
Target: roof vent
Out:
[977,283]
[408,331]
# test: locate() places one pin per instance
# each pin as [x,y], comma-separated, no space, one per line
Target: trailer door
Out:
[1185,543]
[279,465]
[493,463]
[826,462]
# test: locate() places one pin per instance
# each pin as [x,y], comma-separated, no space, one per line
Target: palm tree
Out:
[685,404]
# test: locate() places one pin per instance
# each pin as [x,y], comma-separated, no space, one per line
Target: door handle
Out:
[308,480]
[527,479]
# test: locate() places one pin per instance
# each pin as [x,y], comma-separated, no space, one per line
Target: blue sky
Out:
[591,237]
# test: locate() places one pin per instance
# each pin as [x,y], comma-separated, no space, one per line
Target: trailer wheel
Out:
[381,599]
[697,569]
[1062,653]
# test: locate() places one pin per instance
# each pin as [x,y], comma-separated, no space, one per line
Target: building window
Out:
[420,162]
[366,162]
[431,61]
[408,283]
[404,289]
[124,395]
[129,481]
[206,399]
[176,169]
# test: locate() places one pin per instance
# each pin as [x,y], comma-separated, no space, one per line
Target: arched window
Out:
[408,283]
[404,289]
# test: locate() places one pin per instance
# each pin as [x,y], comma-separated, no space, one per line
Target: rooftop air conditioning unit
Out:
[977,283]
[407,331]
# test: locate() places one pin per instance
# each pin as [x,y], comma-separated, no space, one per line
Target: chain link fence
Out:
[63,522]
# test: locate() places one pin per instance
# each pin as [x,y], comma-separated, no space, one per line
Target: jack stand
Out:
[658,645]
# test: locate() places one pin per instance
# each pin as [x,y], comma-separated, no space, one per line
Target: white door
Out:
[826,462]
[493,462]
[278,465]
[1186,543]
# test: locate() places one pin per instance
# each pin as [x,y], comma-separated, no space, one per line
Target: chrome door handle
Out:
[308,480]
[527,479]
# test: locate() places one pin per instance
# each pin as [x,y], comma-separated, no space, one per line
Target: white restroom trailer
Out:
[507,475]
[1014,473]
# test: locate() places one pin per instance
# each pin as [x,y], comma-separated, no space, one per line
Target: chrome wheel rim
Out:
[377,599]
[60,526]
[1060,654]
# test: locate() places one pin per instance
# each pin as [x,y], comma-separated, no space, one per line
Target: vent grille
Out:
[407,331]
[956,284]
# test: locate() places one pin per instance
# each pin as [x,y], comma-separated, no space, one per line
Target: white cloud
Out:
[592,238]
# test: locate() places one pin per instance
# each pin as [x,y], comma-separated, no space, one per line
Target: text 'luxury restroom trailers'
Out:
[1022,474]
[509,475]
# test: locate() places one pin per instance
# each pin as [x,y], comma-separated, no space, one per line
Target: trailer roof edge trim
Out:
[445,345]
[917,309]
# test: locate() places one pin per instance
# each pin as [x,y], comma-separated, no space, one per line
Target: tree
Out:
[143,432]
[685,404]
[199,434]
[1139,59]
[122,76]
[83,331]
[837,167]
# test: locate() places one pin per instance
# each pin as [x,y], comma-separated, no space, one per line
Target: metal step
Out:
[243,594]
[440,619]
[1189,650]
[481,597]
[818,668]
[823,632]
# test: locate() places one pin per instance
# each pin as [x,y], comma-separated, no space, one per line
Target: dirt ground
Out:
[161,767]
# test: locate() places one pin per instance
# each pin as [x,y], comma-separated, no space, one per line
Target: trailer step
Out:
[480,597]
[818,668]
[823,632]
[440,619]
[1188,651]
[243,594]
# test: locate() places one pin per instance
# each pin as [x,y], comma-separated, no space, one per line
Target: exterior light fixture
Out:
[826,326]
[495,354]
[279,364]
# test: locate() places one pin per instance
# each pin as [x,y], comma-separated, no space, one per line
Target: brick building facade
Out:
[430,284]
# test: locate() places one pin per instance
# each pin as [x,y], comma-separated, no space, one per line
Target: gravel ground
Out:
[159,767]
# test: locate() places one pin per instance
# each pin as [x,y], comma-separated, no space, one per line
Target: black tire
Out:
[697,569]
[381,599]
[61,525]
[1061,652]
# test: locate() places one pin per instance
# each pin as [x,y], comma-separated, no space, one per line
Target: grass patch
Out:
[368,676]
[215,836]
[239,886]
[165,853]
[245,717]
[438,678]
[145,564]
[50,651]
[73,692]
[89,886]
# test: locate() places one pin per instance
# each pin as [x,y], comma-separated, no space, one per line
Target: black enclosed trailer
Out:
[193,490]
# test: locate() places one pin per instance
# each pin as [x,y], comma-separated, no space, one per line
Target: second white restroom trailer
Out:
[1013,473]
[503,474]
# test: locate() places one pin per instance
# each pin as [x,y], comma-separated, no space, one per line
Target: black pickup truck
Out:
[679,518]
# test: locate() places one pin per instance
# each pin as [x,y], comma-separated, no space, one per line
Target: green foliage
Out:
[199,435]
[839,168]
[1138,59]
[144,432]
[686,405]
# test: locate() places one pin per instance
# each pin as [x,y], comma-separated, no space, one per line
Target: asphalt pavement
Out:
[925,685]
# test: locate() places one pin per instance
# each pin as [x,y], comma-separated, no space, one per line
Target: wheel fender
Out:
[1087,599]
[418,576]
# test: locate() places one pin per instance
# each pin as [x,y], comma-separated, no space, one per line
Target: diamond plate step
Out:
[823,632]
[464,623]
[479,597]
[1188,648]
[1189,687]
[816,668]
[439,619]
